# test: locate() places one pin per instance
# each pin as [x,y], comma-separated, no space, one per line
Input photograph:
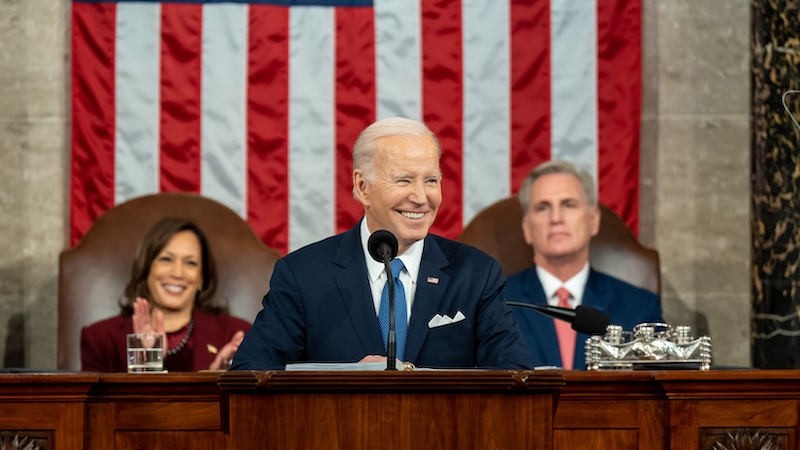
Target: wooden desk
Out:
[42,410]
[111,411]
[596,410]
[733,408]
[679,410]
[611,410]
[155,411]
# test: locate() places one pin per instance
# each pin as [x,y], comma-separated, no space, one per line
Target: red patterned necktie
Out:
[566,335]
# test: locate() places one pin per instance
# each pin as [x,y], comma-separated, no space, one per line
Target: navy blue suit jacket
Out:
[626,305]
[319,308]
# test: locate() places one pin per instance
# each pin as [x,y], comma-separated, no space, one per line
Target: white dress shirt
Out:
[575,285]
[377,274]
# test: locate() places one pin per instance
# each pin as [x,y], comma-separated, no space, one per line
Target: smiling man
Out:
[560,216]
[326,300]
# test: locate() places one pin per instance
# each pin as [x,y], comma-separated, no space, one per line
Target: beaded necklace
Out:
[183,341]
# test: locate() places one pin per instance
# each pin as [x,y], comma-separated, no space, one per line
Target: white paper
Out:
[325,366]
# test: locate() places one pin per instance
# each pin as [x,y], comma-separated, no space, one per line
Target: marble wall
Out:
[695,194]
[776,205]
[696,166]
[34,131]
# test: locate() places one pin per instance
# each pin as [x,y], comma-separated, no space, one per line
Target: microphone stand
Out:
[382,246]
[391,342]
[584,319]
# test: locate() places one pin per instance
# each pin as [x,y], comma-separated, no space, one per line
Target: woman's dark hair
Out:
[151,245]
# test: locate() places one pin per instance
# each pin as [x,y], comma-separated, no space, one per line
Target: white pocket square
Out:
[440,320]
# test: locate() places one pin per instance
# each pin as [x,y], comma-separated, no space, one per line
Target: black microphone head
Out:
[590,321]
[382,245]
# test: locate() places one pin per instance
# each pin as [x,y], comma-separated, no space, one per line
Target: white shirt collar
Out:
[575,285]
[411,258]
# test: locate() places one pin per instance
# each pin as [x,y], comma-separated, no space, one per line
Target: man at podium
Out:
[328,301]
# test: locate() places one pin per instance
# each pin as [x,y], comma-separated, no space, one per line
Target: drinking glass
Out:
[145,352]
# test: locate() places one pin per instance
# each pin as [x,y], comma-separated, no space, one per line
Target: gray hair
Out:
[552,167]
[367,143]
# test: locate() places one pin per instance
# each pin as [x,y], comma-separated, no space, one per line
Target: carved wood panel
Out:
[746,438]
[26,440]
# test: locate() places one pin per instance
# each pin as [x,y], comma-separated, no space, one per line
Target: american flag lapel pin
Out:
[433,280]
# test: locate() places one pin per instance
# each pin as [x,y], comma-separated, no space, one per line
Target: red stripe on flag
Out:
[443,102]
[93,105]
[92,165]
[619,106]
[530,87]
[268,125]
[181,36]
[355,101]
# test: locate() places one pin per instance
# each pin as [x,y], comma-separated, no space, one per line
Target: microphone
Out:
[584,319]
[382,246]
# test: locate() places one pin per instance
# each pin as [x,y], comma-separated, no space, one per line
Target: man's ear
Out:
[596,214]
[360,187]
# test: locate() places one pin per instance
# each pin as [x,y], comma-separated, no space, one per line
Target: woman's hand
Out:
[225,354]
[142,322]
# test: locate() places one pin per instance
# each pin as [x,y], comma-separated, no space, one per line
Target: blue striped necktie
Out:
[401,321]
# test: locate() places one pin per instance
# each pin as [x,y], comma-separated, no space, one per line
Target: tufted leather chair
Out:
[615,250]
[93,274]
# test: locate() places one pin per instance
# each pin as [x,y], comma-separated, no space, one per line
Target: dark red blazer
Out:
[103,343]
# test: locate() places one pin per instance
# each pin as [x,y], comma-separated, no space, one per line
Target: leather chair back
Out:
[92,275]
[615,250]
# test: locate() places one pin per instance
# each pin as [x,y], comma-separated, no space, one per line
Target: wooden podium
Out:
[668,410]
[390,410]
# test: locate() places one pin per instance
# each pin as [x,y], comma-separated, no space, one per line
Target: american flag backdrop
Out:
[257,103]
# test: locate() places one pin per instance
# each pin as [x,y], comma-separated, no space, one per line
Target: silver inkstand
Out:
[648,346]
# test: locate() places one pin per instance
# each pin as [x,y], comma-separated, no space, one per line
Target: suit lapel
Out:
[543,326]
[594,296]
[354,292]
[595,293]
[432,283]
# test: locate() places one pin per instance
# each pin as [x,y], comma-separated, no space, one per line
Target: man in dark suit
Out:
[560,215]
[325,299]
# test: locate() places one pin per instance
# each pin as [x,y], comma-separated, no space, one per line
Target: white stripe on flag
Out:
[224,102]
[486,50]
[398,63]
[311,125]
[137,106]
[574,82]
